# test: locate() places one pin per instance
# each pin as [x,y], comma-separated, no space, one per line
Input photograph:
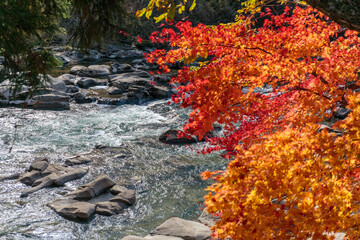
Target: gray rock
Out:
[108,208]
[81,98]
[73,209]
[29,178]
[118,189]
[124,80]
[53,101]
[115,91]
[142,66]
[128,197]
[69,176]
[91,71]
[188,230]
[78,160]
[39,165]
[92,189]
[88,82]
[121,68]
[54,168]
[160,92]
[173,137]
[72,89]
[41,183]
[56,84]
[69,79]
[114,101]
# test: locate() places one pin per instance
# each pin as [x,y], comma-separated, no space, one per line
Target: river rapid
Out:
[166,178]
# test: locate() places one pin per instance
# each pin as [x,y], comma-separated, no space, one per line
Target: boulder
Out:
[73,209]
[125,80]
[121,67]
[69,176]
[174,137]
[188,230]
[69,79]
[115,91]
[108,208]
[72,89]
[29,178]
[81,98]
[91,71]
[118,189]
[56,84]
[160,92]
[78,160]
[53,101]
[10,177]
[39,164]
[92,189]
[127,196]
[53,175]
[89,82]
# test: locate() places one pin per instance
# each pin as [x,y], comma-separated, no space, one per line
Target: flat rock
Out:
[78,160]
[92,189]
[128,197]
[53,101]
[108,208]
[125,80]
[160,92]
[69,79]
[73,209]
[121,67]
[91,71]
[29,178]
[188,230]
[39,165]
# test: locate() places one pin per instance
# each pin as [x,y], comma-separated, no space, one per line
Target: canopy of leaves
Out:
[271,88]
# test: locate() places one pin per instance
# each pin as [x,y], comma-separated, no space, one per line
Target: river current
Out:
[166,178]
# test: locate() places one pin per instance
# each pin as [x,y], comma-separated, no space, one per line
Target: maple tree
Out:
[271,88]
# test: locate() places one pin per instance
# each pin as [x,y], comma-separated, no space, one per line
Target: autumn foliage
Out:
[271,88]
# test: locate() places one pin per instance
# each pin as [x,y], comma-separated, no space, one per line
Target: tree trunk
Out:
[344,12]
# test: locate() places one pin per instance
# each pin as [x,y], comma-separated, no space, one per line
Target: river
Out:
[166,177]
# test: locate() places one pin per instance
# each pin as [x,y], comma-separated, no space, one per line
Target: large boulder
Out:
[125,80]
[108,208]
[121,67]
[52,101]
[73,209]
[188,230]
[160,92]
[69,79]
[92,189]
[126,196]
[91,71]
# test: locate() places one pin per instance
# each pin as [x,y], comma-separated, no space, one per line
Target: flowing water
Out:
[166,177]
